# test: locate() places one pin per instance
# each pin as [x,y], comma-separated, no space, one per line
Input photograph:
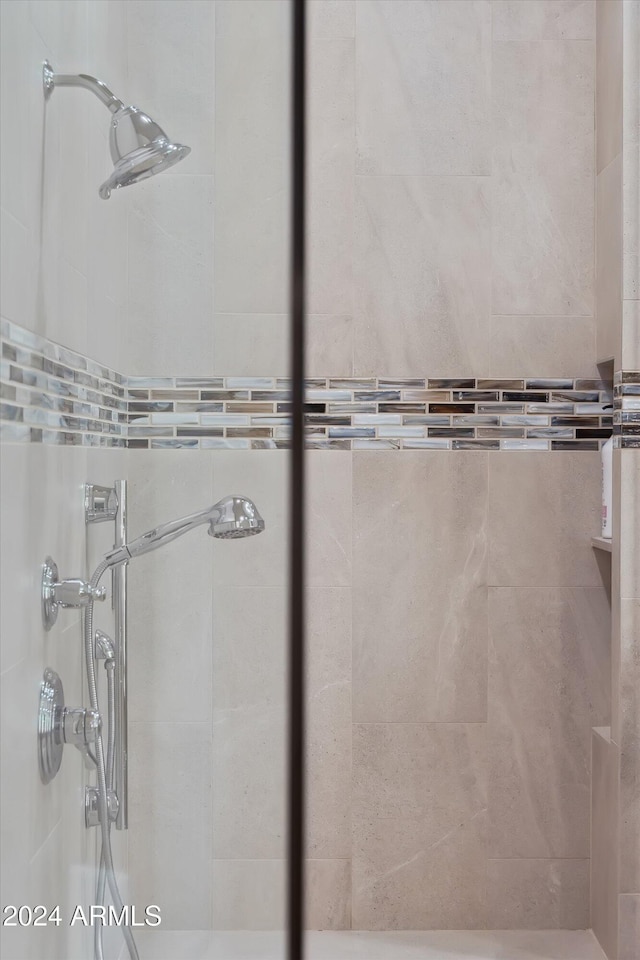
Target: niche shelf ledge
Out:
[601,543]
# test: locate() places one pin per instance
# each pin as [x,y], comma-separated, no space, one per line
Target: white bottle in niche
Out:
[607,488]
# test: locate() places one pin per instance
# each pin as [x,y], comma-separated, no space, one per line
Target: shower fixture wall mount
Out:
[57,593]
[139,146]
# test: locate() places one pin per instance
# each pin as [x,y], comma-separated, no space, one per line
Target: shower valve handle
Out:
[80,726]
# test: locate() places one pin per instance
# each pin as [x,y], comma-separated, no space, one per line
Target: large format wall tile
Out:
[629,927]
[171,50]
[252,156]
[49,520]
[609,259]
[15,179]
[328,894]
[330,189]
[627,526]
[419,825]
[170,281]
[108,332]
[249,733]
[17,483]
[170,615]
[604,840]
[631,221]
[419,771]
[249,894]
[19,789]
[423,276]
[544,20]
[561,346]
[247,344]
[47,886]
[249,627]
[329,518]
[420,630]
[42,834]
[549,664]
[332,18]
[423,87]
[329,723]
[329,345]
[249,776]
[609,69]
[630,746]
[170,785]
[408,875]
[538,894]
[631,319]
[543,509]
[18,263]
[543,178]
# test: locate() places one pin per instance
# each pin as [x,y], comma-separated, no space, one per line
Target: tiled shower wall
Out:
[615,875]
[458,621]
[61,278]
[458,618]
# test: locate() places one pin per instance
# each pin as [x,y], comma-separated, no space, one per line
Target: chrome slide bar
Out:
[120,573]
[101,504]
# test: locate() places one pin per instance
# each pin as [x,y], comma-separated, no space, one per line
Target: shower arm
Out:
[97,87]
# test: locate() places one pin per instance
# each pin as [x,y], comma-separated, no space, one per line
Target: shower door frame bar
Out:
[296,679]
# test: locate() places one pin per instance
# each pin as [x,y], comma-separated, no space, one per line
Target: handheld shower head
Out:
[236,517]
[231,518]
[139,146]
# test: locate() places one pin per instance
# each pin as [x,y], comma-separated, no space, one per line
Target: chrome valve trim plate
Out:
[50,744]
[49,605]
[58,725]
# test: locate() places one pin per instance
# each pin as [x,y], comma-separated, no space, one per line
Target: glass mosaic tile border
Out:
[626,408]
[53,395]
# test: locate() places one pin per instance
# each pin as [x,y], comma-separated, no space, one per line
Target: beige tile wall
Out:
[64,263]
[616,799]
[451,694]
[474,250]
[480,667]
[64,277]
[604,840]
[451,224]
[171,56]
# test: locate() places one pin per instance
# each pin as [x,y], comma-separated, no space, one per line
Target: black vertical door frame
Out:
[296,664]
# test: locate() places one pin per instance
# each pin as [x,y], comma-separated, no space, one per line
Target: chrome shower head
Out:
[139,146]
[237,517]
[139,149]
[230,519]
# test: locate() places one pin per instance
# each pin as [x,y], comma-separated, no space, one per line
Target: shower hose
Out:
[106,871]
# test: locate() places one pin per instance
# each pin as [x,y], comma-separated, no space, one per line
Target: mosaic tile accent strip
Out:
[626,408]
[53,395]
[375,413]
